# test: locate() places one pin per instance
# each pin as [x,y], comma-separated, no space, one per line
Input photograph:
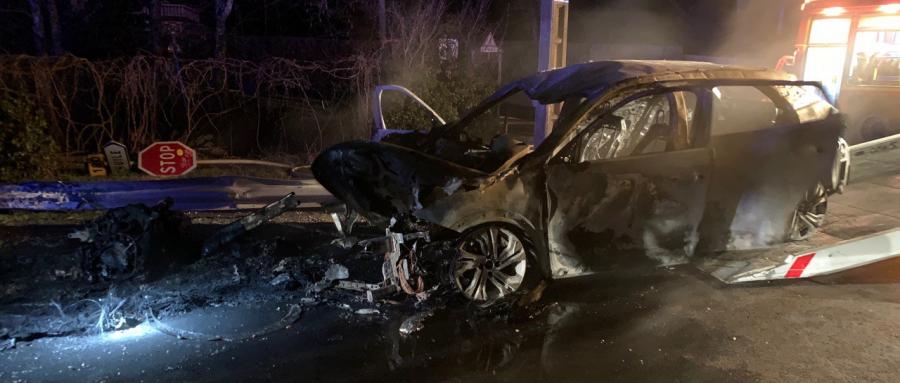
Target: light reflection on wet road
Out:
[670,325]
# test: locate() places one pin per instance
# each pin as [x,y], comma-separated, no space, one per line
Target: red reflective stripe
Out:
[799,265]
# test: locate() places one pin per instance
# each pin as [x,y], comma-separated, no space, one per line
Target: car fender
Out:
[501,201]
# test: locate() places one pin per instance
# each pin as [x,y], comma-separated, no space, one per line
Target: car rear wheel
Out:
[810,214]
[492,264]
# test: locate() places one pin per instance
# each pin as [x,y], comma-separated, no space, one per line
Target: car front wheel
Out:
[492,264]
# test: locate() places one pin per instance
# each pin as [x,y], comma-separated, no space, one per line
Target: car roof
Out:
[592,79]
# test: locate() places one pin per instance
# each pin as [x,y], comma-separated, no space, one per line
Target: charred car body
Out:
[656,161]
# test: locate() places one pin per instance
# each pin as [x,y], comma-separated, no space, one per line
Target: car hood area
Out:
[386,180]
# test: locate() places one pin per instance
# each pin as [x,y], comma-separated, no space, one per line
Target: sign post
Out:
[167,158]
[551,55]
[117,158]
[489,45]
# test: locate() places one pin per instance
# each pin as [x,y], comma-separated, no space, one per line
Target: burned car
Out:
[650,162]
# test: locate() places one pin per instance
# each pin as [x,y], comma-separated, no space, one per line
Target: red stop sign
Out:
[167,158]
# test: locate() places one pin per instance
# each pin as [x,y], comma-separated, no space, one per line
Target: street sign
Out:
[117,158]
[167,158]
[489,46]
[448,49]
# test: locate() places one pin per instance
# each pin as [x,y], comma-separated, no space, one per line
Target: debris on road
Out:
[141,265]
[415,322]
[399,270]
[249,222]
[120,243]
[8,344]
[367,311]
[337,272]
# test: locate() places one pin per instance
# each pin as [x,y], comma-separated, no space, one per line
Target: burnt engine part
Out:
[124,241]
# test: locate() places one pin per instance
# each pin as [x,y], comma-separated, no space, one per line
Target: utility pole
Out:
[55,34]
[155,9]
[382,22]
[223,10]
[551,54]
[37,26]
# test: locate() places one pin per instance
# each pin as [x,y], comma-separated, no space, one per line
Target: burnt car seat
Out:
[656,140]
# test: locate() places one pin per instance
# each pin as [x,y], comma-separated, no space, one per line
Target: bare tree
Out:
[223,10]
[37,26]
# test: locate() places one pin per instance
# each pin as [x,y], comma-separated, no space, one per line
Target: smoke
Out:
[432,49]
[759,32]
[745,32]
[625,29]
[624,21]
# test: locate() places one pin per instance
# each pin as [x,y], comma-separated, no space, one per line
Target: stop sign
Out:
[167,158]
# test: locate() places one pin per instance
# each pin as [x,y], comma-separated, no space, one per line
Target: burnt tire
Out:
[809,215]
[493,263]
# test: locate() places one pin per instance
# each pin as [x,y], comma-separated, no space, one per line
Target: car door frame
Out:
[724,207]
[381,130]
[700,134]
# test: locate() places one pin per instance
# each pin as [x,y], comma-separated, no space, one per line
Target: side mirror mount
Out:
[435,123]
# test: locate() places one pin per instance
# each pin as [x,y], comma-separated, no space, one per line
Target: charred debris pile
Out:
[139,263]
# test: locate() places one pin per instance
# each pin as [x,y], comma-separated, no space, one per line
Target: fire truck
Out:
[853,48]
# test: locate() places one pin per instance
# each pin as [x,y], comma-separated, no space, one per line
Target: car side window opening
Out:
[745,108]
[654,123]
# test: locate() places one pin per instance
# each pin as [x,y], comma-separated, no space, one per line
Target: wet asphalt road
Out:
[666,325]
[670,325]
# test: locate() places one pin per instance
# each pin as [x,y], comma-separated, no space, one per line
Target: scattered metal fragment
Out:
[344,221]
[283,279]
[337,272]
[381,293]
[415,322]
[371,291]
[8,344]
[249,222]
[357,286]
[235,274]
[367,311]
[346,242]
[399,270]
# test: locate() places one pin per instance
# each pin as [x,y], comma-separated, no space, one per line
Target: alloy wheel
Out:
[491,264]
[810,214]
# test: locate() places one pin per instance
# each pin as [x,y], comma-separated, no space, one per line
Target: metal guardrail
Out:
[196,194]
[884,143]
[244,162]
